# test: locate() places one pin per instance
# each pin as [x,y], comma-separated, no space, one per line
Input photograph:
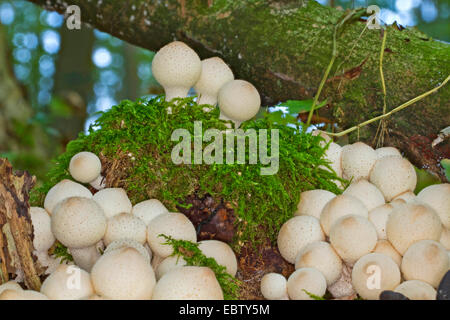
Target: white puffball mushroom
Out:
[239,101]
[416,290]
[98,183]
[85,167]
[312,202]
[387,152]
[173,224]
[169,264]
[274,286]
[323,257]
[42,229]
[177,68]
[296,233]
[78,222]
[386,248]
[221,252]
[410,223]
[148,209]
[67,282]
[10,285]
[393,176]
[445,238]
[338,207]
[125,226]
[306,279]
[188,283]
[374,273]
[123,274]
[10,294]
[129,243]
[366,192]
[379,217]
[357,161]
[407,196]
[113,201]
[437,196]
[352,237]
[334,154]
[86,257]
[215,73]
[425,260]
[63,190]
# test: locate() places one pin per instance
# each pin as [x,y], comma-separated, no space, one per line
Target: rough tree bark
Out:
[284,46]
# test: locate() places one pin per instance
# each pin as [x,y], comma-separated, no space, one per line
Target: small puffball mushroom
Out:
[123,274]
[215,73]
[113,201]
[425,260]
[338,207]
[379,217]
[63,190]
[374,273]
[42,229]
[125,226]
[393,176]
[410,223]
[99,183]
[366,192]
[10,294]
[416,290]
[437,196]
[387,151]
[357,161]
[129,243]
[221,252]
[67,283]
[85,167]
[239,101]
[296,233]
[323,257]
[310,280]
[177,68]
[85,258]
[78,222]
[352,237]
[445,238]
[188,283]
[148,209]
[274,287]
[386,248]
[10,285]
[334,154]
[312,202]
[169,264]
[173,224]
[407,196]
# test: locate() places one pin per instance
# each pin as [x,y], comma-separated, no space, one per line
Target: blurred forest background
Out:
[54,81]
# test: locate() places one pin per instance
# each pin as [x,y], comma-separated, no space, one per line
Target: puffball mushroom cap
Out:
[188,283]
[334,154]
[296,233]
[177,68]
[393,176]
[410,223]
[323,257]
[309,279]
[215,73]
[125,226]
[10,285]
[10,294]
[338,207]
[386,248]
[148,209]
[169,264]
[239,100]
[221,252]
[425,260]
[312,202]
[357,161]
[113,201]
[123,274]
[437,196]
[67,282]
[78,222]
[407,196]
[85,167]
[387,152]
[366,192]
[374,273]
[42,229]
[129,243]
[63,190]
[352,237]
[416,290]
[173,224]
[274,286]
[85,258]
[379,217]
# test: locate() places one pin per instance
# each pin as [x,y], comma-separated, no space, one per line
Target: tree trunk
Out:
[283,47]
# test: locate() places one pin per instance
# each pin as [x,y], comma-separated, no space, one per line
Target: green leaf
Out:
[445,163]
[301,106]
[313,296]
[279,117]
[424,179]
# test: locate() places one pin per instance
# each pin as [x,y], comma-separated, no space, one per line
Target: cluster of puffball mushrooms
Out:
[376,236]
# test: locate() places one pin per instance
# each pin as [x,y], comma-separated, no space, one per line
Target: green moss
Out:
[139,135]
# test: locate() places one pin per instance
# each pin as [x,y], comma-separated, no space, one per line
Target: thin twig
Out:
[381,130]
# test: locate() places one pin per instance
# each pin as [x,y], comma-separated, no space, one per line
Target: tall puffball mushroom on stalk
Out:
[85,167]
